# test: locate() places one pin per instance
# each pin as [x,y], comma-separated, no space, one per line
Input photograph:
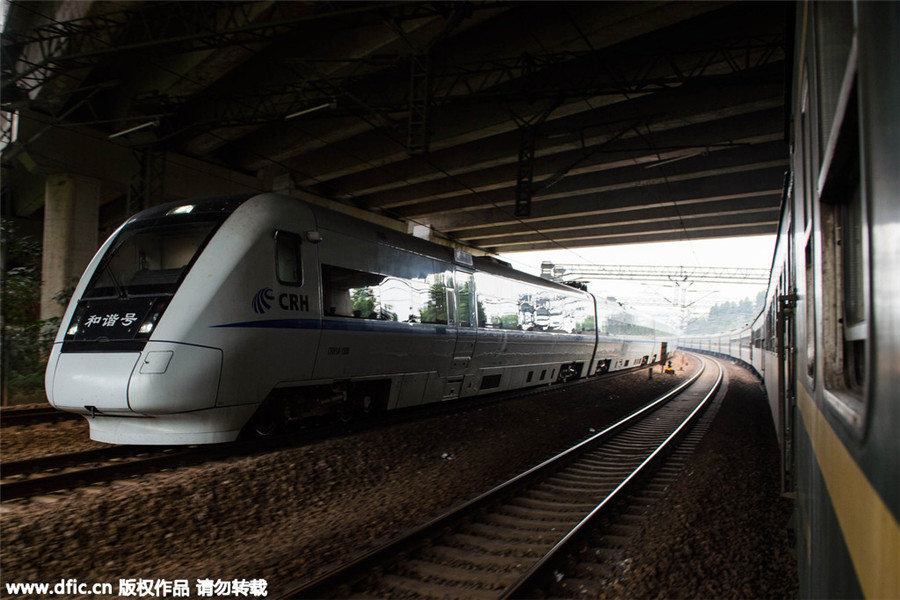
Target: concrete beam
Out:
[595,200]
[650,224]
[675,234]
[346,167]
[89,153]
[758,128]
[762,203]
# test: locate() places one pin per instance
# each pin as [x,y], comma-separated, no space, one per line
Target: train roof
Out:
[379,234]
[326,218]
[219,206]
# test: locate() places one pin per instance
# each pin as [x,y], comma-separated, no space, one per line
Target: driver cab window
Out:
[287,258]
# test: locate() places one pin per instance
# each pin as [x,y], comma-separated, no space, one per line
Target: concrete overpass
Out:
[500,126]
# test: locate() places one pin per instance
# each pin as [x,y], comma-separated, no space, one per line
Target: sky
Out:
[659,299]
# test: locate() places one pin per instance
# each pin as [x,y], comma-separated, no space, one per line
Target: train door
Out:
[786,345]
[464,299]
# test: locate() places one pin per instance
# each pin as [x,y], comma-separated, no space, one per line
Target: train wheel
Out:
[345,411]
[268,420]
[567,373]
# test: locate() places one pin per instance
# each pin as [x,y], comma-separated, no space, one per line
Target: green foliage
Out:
[435,310]
[728,316]
[481,314]
[589,324]
[363,301]
[27,338]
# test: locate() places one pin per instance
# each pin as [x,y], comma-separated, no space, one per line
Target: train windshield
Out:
[149,260]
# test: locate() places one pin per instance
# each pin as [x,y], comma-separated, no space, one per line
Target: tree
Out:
[364,302]
[728,316]
[27,339]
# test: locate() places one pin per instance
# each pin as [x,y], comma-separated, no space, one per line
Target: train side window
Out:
[854,273]
[810,316]
[496,307]
[845,235]
[465,288]
[430,299]
[350,293]
[288,267]
[844,222]
[450,290]
[364,295]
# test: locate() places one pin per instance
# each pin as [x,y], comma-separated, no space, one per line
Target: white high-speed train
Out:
[198,320]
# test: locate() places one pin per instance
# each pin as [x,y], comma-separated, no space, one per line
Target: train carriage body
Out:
[828,342]
[197,318]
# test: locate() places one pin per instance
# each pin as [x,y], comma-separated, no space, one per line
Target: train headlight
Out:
[72,331]
[181,210]
[152,318]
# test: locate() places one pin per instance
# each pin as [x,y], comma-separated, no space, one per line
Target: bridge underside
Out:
[500,126]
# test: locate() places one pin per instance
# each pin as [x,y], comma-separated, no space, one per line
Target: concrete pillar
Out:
[71,215]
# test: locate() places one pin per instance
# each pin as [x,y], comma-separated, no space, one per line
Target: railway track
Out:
[591,560]
[499,544]
[30,477]
[25,416]
[26,478]
[52,473]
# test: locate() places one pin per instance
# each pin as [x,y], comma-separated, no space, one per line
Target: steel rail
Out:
[30,466]
[176,456]
[359,567]
[538,569]
[21,416]
[24,488]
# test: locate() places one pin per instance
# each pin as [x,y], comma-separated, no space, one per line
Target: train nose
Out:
[96,379]
[173,378]
[164,378]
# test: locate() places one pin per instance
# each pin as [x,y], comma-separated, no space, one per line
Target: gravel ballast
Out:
[288,515]
[722,530]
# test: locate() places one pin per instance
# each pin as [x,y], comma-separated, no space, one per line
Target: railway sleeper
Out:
[579,492]
[459,557]
[593,461]
[559,503]
[530,524]
[501,547]
[456,576]
[618,472]
[545,514]
[545,495]
[504,534]
[559,486]
[579,472]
